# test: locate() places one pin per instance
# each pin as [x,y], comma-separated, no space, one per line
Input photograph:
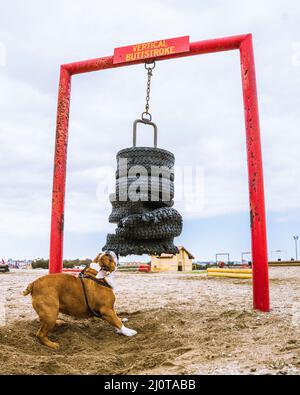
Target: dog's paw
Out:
[126,331]
[130,332]
[50,344]
[55,346]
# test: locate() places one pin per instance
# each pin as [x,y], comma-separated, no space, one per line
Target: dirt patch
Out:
[187,324]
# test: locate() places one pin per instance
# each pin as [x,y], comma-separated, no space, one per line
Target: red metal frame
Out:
[242,43]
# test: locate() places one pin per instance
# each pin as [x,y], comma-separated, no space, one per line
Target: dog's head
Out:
[107,260]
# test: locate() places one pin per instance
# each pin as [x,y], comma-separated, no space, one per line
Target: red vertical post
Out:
[256,182]
[59,176]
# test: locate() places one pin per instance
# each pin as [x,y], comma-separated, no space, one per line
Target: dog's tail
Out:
[28,290]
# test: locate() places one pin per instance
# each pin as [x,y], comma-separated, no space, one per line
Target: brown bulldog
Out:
[89,295]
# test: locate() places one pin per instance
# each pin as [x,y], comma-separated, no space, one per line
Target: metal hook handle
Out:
[145,122]
[150,65]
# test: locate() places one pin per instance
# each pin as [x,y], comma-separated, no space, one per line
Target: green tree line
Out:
[67,263]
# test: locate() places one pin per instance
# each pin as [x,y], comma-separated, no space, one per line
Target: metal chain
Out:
[146,116]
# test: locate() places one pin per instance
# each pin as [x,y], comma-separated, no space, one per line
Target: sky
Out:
[196,103]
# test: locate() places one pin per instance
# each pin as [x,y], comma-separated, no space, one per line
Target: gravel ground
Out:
[186,323]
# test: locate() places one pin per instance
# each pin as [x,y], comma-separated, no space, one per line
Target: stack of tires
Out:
[142,203]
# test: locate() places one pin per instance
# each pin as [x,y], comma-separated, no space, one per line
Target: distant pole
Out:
[243,254]
[296,238]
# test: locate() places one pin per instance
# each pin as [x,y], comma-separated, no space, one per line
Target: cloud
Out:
[196,102]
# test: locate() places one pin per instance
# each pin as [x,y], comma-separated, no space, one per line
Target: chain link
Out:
[146,116]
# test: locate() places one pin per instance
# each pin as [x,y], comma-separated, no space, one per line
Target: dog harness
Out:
[98,280]
[101,282]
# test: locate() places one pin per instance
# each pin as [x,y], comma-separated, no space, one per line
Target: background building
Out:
[181,262]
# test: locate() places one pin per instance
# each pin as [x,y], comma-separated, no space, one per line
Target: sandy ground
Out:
[186,323]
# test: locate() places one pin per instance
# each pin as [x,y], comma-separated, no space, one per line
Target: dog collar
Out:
[100,272]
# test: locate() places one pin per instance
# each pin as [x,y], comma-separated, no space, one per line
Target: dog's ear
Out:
[97,259]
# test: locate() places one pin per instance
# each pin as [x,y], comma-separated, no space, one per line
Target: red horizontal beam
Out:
[196,48]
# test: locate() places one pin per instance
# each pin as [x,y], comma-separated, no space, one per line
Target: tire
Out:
[130,206]
[158,204]
[124,247]
[124,209]
[145,201]
[151,232]
[168,174]
[161,215]
[148,181]
[146,156]
[153,186]
[118,214]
